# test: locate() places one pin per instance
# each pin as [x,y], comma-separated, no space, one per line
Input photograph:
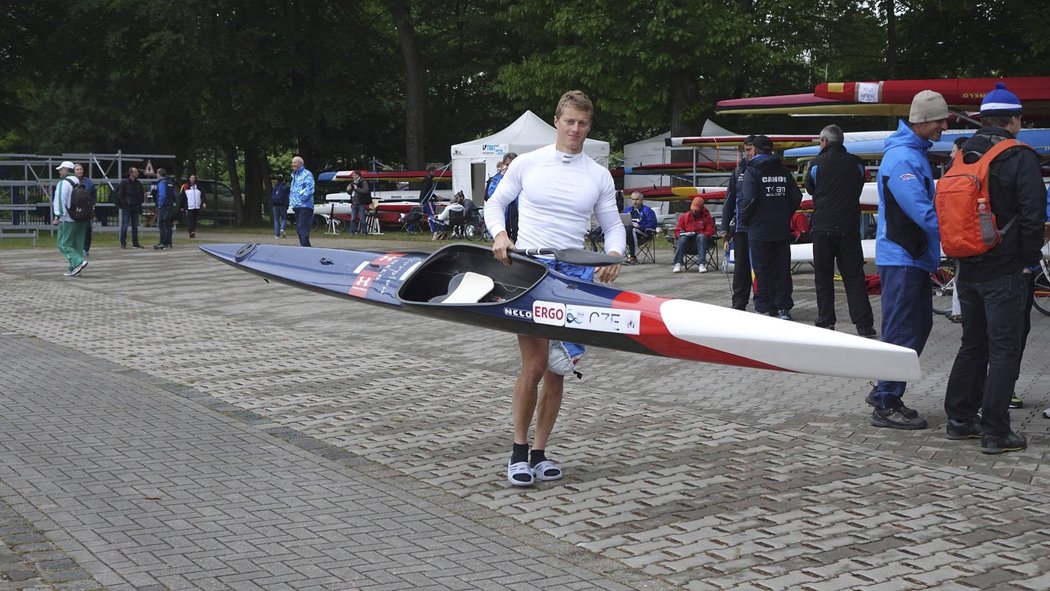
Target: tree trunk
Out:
[891,39]
[235,182]
[252,185]
[415,134]
[685,93]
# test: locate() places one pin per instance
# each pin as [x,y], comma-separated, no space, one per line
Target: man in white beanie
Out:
[70,233]
[907,247]
[994,286]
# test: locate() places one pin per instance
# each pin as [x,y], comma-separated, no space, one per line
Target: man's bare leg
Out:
[549,405]
[534,352]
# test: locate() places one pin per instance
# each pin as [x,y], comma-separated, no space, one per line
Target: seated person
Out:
[800,228]
[440,223]
[695,226]
[643,220]
[470,209]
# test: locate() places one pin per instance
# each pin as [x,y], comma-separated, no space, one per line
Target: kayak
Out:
[962,92]
[465,283]
[780,142]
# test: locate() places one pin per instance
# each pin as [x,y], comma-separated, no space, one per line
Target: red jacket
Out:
[701,224]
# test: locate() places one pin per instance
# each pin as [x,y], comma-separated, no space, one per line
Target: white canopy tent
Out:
[475,161]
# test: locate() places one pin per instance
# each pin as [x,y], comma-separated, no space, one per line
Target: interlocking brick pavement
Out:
[688,475]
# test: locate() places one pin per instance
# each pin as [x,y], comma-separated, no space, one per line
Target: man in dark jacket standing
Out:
[360,201]
[768,198]
[730,212]
[835,180]
[128,198]
[992,285]
[279,205]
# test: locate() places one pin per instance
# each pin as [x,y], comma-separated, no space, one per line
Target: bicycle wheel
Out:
[1041,299]
[943,280]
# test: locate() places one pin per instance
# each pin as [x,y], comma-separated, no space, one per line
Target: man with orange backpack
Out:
[1008,229]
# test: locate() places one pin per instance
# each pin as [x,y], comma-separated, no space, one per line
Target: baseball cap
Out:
[66,164]
[1000,102]
[697,203]
[928,106]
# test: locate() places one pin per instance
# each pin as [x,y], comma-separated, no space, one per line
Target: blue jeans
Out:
[359,213]
[907,317]
[280,218]
[304,216]
[989,358]
[164,221]
[129,215]
[683,242]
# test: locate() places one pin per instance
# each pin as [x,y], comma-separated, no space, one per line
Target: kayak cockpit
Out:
[467,274]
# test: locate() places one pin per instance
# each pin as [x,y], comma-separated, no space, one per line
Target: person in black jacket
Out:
[768,198]
[279,206]
[992,287]
[731,212]
[835,179]
[129,197]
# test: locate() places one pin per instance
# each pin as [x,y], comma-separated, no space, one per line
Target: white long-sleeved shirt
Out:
[558,193]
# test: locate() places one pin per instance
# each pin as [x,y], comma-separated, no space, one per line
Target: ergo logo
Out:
[551,313]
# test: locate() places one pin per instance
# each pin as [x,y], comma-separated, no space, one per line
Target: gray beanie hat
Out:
[928,106]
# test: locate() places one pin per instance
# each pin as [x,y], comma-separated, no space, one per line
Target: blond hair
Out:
[576,100]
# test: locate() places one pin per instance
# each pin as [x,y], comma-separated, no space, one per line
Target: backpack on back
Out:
[80,208]
[964,207]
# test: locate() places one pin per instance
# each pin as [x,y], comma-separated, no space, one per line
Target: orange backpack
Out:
[964,208]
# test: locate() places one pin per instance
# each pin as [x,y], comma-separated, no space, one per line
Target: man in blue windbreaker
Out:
[301,198]
[907,248]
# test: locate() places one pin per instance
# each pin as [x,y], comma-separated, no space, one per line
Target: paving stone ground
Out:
[200,428]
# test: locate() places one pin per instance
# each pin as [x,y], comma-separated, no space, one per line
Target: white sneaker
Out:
[702,269]
[76,270]
[677,268]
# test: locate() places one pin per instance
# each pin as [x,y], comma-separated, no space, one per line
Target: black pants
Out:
[636,236]
[164,221]
[191,221]
[986,367]
[304,216]
[741,271]
[87,238]
[829,248]
[771,260]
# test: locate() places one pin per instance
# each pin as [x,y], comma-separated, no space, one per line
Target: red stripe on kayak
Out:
[655,336]
[364,279]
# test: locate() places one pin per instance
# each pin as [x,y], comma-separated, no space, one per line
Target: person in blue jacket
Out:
[164,192]
[643,220]
[768,198]
[301,198]
[907,247]
[86,181]
[738,236]
[279,205]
